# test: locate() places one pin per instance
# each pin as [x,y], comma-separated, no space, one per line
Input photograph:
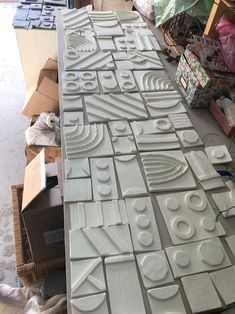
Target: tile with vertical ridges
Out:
[120,128]
[144,230]
[180,121]
[108,82]
[72,118]
[75,19]
[189,138]
[94,304]
[147,42]
[103,241]
[124,144]
[162,125]
[75,82]
[145,60]
[77,190]
[115,107]
[148,142]
[77,168]
[153,80]
[71,102]
[133,183]
[126,81]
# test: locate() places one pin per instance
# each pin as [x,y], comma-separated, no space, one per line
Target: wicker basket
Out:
[28,271]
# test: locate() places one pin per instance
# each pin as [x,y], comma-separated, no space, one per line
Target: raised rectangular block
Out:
[108,82]
[120,128]
[218,154]
[71,103]
[154,126]
[73,118]
[126,81]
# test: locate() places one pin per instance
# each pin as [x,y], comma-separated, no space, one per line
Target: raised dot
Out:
[104,190]
[143,221]
[139,205]
[107,76]
[162,124]
[208,224]
[145,238]
[181,259]
[128,85]
[172,203]
[103,176]
[196,201]
[183,228]
[72,54]
[218,153]
[101,164]
[90,86]
[120,126]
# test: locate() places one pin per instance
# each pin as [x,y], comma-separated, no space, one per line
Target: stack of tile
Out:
[125,132]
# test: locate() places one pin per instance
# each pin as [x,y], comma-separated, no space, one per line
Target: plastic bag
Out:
[226,33]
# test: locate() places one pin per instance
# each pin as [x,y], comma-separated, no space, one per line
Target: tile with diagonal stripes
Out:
[74,18]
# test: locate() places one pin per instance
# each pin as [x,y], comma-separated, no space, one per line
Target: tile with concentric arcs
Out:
[153,80]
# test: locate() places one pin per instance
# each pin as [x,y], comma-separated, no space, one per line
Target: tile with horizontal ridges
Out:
[94,304]
[129,17]
[71,102]
[120,128]
[77,168]
[145,60]
[79,82]
[76,190]
[153,80]
[124,144]
[105,23]
[218,154]
[162,125]
[108,82]
[75,19]
[189,138]
[148,142]
[72,118]
[180,121]
[126,81]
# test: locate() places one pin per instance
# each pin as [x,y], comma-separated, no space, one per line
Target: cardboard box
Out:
[51,153]
[42,210]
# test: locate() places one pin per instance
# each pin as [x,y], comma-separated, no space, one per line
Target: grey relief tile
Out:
[105,23]
[73,19]
[124,144]
[153,80]
[189,138]
[108,82]
[180,121]
[124,43]
[78,82]
[94,304]
[149,142]
[129,17]
[80,43]
[71,102]
[76,190]
[161,125]
[77,168]
[120,128]
[72,118]
[106,44]
[126,81]
[145,60]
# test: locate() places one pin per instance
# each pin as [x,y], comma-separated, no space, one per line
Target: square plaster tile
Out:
[148,42]
[74,82]
[180,121]
[162,125]
[126,81]
[145,60]
[166,300]
[189,138]
[103,241]
[196,257]
[73,118]
[218,154]
[148,142]
[98,214]
[94,304]
[108,82]
[231,243]
[123,285]
[120,56]
[201,293]
[153,81]
[76,190]
[154,268]
[75,19]
[189,216]
[71,103]
[166,171]
[120,128]
[224,281]
[106,44]
[124,65]
[124,144]
[87,277]
[144,230]
[224,201]
[77,168]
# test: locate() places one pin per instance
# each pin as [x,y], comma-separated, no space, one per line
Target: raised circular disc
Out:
[211,253]
[139,205]
[208,224]
[196,201]
[145,238]
[71,86]
[104,190]
[103,176]
[143,221]
[120,126]
[181,259]
[172,203]
[162,124]
[183,228]
[101,164]
[218,153]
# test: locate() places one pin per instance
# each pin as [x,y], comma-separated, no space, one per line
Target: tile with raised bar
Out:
[126,81]
[103,179]
[153,80]
[154,269]
[94,304]
[231,243]
[144,230]
[218,154]
[77,168]
[162,125]
[163,103]
[120,128]
[98,214]
[197,257]
[87,277]
[133,183]
[224,281]
[124,144]
[72,118]
[115,107]
[71,102]
[189,138]
[124,43]
[106,44]
[124,65]
[87,141]
[204,171]
[147,42]
[77,190]
[189,216]
[180,121]
[225,203]
[166,300]
[102,241]
[75,19]
[167,171]
[108,82]
[74,60]
[129,17]
[201,293]
[120,56]
[76,82]
[149,142]
[80,43]
[123,285]
[145,60]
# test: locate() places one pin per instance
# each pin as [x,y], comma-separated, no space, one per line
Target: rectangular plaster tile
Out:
[160,104]
[76,190]
[154,269]
[87,141]
[126,81]
[136,26]
[231,243]
[124,144]
[21,14]
[191,210]
[166,300]
[144,230]
[77,168]
[124,43]
[162,125]
[71,103]
[224,281]
[76,19]
[103,179]
[102,241]
[87,277]
[224,201]
[120,128]
[20,24]
[120,56]
[123,285]
[147,142]
[108,82]
[167,171]
[201,293]
[98,214]
[106,44]
[180,121]
[111,28]
[147,42]
[94,304]
[47,19]
[218,154]
[145,60]
[129,30]
[133,183]
[72,118]
[124,65]
[129,17]
[189,138]
[56,2]
[34,14]
[74,60]
[44,25]
[115,107]
[197,257]
[76,82]
[102,16]
[74,40]
[203,170]
[153,81]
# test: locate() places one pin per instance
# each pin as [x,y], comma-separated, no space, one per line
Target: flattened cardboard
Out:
[49,70]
